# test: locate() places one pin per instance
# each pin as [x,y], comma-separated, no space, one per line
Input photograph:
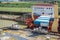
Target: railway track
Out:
[50,33]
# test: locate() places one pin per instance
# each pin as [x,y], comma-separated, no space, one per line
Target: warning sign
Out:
[47,9]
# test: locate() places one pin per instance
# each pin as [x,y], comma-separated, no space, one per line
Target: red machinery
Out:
[30,24]
[50,10]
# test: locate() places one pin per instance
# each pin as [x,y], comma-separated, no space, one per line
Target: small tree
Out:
[0,2]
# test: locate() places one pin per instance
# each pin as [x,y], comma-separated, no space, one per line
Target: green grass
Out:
[17,6]
[20,4]
[13,9]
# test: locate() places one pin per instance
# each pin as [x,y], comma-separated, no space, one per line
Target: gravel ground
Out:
[26,35]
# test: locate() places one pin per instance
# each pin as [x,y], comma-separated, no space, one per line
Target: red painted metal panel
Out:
[43,5]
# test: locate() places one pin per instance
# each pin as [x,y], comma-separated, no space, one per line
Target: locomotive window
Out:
[47,8]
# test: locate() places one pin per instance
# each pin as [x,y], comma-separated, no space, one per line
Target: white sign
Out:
[48,10]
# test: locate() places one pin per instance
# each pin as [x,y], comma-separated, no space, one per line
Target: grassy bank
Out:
[18,6]
[13,9]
